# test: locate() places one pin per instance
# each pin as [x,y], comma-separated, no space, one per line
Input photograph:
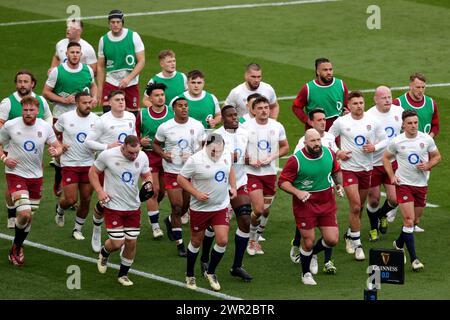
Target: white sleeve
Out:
[216,104]
[335,128]
[146,166]
[48,117]
[93,135]
[90,55]
[51,137]
[91,72]
[59,124]
[282,135]
[184,81]
[432,145]
[4,135]
[392,147]
[381,137]
[273,96]
[231,99]
[159,135]
[334,147]
[100,162]
[100,48]
[188,169]
[138,44]
[5,108]
[52,78]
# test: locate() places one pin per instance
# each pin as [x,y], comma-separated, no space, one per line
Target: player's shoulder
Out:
[129,115]
[276,124]
[266,86]
[13,123]
[62,42]
[195,122]
[424,136]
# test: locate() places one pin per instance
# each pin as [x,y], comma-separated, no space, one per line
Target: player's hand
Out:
[145,142]
[103,198]
[114,144]
[124,83]
[340,190]
[344,155]
[255,164]
[65,147]
[303,195]
[10,162]
[69,100]
[233,193]
[201,196]
[94,102]
[212,123]
[395,181]
[423,166]
[368,147]
[266,161]
[53,152]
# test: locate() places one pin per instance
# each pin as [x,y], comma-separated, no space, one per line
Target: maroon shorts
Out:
[242,191]
[155,162]
[407,193]
[379,175]
[122,219]
[200,220]
[318,211]
[131,96]
[74,175]
[361,178]
[32,185]
[266,183]
[170,181]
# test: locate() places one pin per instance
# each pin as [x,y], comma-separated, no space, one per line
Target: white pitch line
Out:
[153,13]
[117,267]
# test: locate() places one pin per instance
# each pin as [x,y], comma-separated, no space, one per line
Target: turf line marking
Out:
[154,13]
[117,267]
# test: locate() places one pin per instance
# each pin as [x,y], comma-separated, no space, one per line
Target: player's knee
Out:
[332,241]
[374,202]
[243,211]
[22,203]
[307,244]
[222,241]
[355,208]
[177,210]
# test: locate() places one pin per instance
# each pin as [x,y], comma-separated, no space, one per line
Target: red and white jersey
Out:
[75,129]
[238,96]
[236,142]
[409,152]
[88,53]
[354,135]
[391,121]
[122,178]
[263,141]
[108,129]
[26,144]
[328,140]
[211,177]
[181,140]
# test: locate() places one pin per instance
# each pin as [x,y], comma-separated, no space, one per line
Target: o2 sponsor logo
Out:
[81,137]
[238,152]
[220,176]
[413,158]
[360,140]
[183,144]
[122,137]
[29,146]
[389,132]
[127,177]
[264,145]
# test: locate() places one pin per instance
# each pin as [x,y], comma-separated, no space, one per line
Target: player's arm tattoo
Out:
[337,177]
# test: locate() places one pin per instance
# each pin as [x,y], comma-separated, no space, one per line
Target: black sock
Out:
[318,247]
[400,242]
[409,241]
[305,261]
[328,253]
[123,270]
[191,258]
[385,209]
[215,259]
[206,246]
[104,252]
[240,244]
[11,212]
[20,236]
[297,238]
[373,218]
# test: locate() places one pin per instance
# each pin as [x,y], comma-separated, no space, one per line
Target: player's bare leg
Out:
[257,200]
[356,200]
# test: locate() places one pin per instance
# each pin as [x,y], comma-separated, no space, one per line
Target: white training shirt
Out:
[391,122]
[108,129]
[26,144]
[238,96]
[115,77]
[263,140]
[75,130]
[328,140]
[122,178]
[5,107]
[59,108]
[354,134]
[409,152]
[211,177]
[236,142]
[87,51]
[180,138]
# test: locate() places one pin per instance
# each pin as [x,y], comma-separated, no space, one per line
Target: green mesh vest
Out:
[175,85]
[201,109]
[16,107]
[149,125]
[69,83]
[119,55]
[314,174]
[329,98]
[425,113]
